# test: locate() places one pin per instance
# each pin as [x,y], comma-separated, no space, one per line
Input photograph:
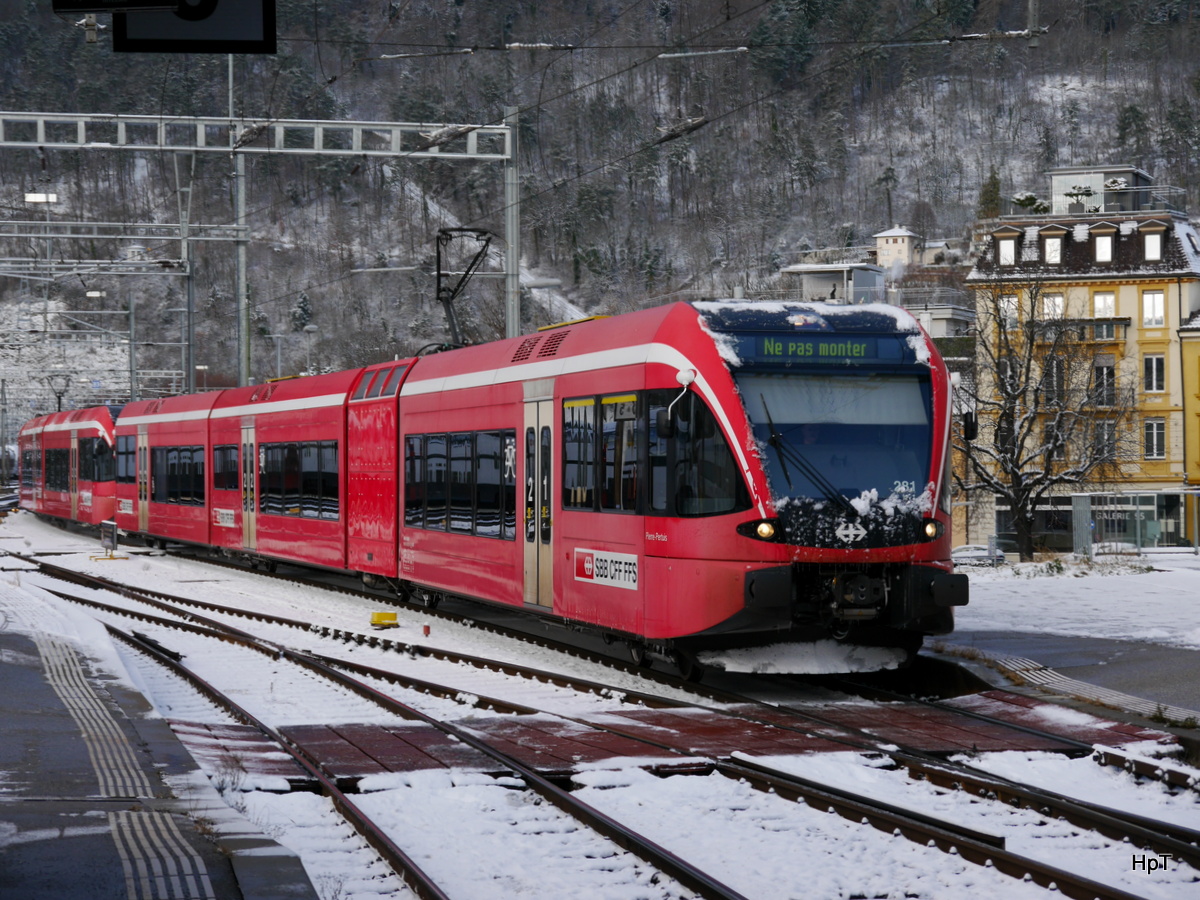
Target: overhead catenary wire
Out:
[667,133]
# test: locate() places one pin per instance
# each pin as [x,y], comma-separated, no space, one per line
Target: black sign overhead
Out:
[74,7]
[198,26]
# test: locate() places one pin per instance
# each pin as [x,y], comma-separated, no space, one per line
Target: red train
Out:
[694,479]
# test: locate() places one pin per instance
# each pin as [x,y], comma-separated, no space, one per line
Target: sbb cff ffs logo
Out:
[609,569]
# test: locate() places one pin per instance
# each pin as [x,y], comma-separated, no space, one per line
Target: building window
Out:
[1054,381]
[1104,248]
[1104,306]
[1056,448]
[1154,247]
[1104,386]
[1152,308]
[1105,441]
[1154,432]
[1052,253]
[1007,251]
[1052,306]
[1154,373]
[1007,308]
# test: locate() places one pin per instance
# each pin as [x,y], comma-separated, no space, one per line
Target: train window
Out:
[29,468]
[187,472]
[86,470]
[509,486]
[530,492]
[310,480]
[95,460]
[488,496]
[692,470]
[299,479]
[838,433]
[579,453]
[198,475]
[291,480]
[465,483]
[177,475]
[126,459]
[435,482]
[58,465]
[461,487]
[171,455]
[393,382]
[225,467]
[377,389]
[620,430]
[330,484]
[364,385]
[414,481]
[270,478]
[158,474]
[546,451]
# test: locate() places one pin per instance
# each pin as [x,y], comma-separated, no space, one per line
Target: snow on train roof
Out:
[743,315]
[722,316]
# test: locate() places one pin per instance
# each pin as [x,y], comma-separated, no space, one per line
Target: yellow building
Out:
[1113,256]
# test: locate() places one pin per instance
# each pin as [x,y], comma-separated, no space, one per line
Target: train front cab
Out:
[66,461]
[848,409]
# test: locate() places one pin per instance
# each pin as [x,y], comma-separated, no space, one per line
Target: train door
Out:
[539,502]
[249,489]
[143,479]
[73,474]
[38,473]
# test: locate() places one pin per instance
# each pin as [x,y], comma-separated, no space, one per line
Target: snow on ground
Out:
[1153,598]
[1027,833]
[761,845]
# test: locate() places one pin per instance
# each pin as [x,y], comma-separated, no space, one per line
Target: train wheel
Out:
[689,667]
[639,655]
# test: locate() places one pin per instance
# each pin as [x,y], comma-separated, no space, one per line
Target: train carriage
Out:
[280,448]
[658,497]
[66,465]
[161,468]
[693,479]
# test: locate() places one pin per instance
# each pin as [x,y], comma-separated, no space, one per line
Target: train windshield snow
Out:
[841,443]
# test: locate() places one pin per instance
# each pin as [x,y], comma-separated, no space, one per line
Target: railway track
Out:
[950,838]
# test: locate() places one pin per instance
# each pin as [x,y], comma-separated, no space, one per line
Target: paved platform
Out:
[86,810]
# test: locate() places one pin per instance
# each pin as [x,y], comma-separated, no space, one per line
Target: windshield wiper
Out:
[776,441]
[786,451]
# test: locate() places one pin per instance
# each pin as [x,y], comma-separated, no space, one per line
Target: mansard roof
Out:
[1180,248]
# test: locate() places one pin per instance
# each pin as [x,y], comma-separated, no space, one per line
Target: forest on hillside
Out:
[669,148]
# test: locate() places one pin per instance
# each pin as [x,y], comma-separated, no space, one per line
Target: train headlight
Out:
[933,529]
[763,530]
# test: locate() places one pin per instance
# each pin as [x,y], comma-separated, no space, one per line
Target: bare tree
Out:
[1052,404]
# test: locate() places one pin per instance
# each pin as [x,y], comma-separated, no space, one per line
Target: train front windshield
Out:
[829,439]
